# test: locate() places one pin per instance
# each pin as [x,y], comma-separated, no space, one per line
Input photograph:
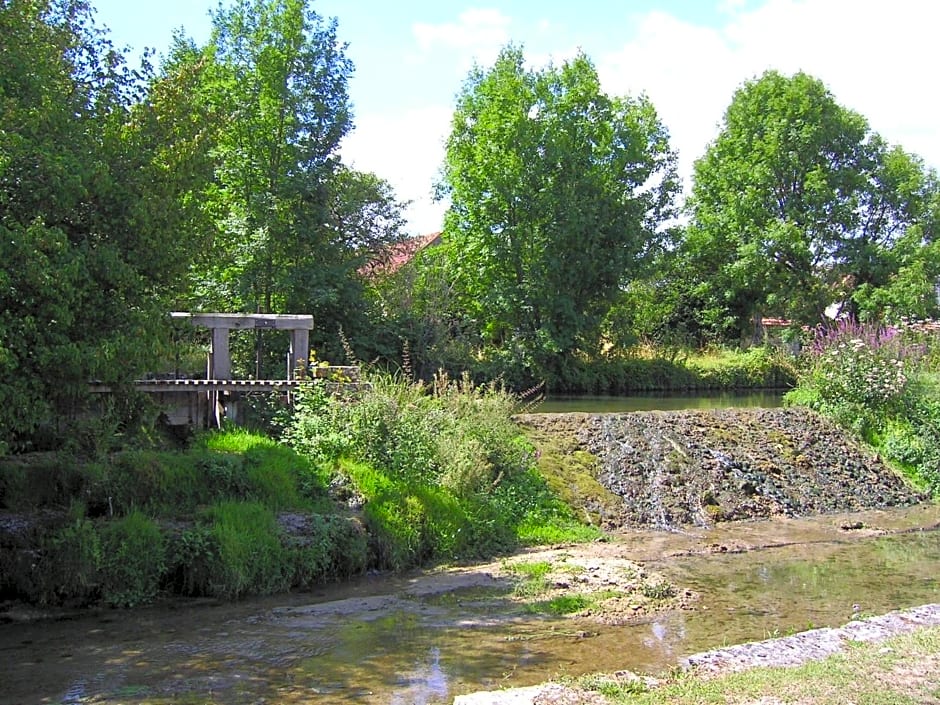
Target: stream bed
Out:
[419,639]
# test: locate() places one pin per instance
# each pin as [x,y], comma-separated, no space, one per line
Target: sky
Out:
[688,56]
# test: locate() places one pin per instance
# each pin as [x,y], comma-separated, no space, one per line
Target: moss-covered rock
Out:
[663,469]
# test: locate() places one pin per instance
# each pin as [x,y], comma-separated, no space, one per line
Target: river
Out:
[658,402]
[383,640]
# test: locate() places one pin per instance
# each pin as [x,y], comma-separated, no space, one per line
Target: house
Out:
[398,255]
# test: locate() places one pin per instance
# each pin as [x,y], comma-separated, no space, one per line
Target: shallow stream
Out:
[387,640]
[670,401]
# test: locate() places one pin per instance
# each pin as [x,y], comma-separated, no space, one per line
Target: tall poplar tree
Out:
[292,225]
[276,81]
[558,195]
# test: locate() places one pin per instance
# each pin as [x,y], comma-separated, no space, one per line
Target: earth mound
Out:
[665,469]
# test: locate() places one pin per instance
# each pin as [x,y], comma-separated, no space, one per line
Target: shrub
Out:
[193,554]
[133,560]
[41,480]
[444,470]
[853,363]
[758,367]
[311,555]
[880,383]
[331,548]
[350,548]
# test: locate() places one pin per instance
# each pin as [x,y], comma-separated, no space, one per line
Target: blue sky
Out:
[688,56]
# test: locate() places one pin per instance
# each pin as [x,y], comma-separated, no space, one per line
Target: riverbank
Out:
[427,636]
[241,515]
[894,657]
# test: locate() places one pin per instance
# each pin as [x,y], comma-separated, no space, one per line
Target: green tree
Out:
[276,81]
[795,205]
[558,195]
[90,251]
[417,321]
[291,224]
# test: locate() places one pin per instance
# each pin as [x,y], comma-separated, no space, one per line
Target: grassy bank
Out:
[904,670]
[402,475]
[883,383]
[651,370]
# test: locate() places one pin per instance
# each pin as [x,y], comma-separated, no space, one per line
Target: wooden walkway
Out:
[205,402]
[338,374]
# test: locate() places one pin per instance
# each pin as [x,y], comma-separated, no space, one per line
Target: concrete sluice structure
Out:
[205,402]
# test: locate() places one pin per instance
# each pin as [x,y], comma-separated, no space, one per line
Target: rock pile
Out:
[699,467]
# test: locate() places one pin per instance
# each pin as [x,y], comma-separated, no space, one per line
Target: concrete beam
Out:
[246,321]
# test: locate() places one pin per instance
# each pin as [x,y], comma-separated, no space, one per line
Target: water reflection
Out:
[383,645]
[427,683]
[658,402]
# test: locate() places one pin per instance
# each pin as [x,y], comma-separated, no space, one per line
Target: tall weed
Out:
[250,555]
[880,382]
[436,463]
[67,568]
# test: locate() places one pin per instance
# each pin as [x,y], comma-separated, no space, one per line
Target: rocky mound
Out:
[669,468]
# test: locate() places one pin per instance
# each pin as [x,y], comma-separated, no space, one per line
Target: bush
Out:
[755,368]
[193,555]
[858,364]
[430,462]
[331,548]
[133,560]
[881,383]
[42,480]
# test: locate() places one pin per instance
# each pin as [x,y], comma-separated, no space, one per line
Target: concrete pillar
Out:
[299,350]
[221,360]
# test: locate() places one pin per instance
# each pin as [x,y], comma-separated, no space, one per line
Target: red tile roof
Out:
[398,255]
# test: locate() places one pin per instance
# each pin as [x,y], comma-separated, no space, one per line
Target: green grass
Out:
[904,670]
[537,531]
[251,557]
[564,605]
[532,578]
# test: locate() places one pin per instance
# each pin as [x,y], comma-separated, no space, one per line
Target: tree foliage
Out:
[91,248]
[558,194]
[796,205]
[291,225]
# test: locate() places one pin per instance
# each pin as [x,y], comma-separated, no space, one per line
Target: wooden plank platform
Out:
[334,373]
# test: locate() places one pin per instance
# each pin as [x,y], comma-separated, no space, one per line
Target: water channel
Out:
[388,640]
[659,402]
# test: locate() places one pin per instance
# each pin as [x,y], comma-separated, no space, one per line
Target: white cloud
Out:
[478,35]
[688,72]
[729,7]
[405,149]
[875,58]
